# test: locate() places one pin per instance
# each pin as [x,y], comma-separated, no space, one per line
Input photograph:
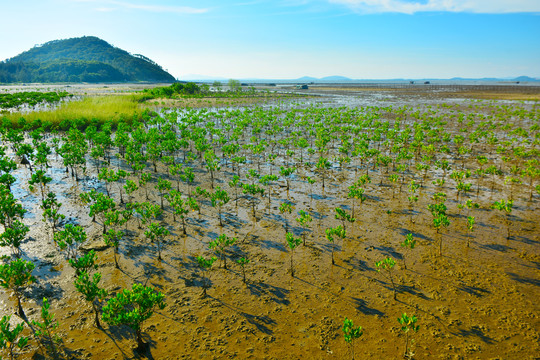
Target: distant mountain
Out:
[526,79]
[84,59]
[336,78]
[307,78]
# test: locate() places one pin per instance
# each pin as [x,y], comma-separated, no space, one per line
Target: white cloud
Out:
[470,6]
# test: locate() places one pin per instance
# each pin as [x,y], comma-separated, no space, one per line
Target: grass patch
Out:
[89,109]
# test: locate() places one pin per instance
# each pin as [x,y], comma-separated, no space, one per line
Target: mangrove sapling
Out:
[51,208]
[45,329]
[9,339]
[253,190]
[482,160]
[130,187]
[91,291]
[243,262]
[322,166]
[267,180]
[387,265]
[532,172]
[356,192]
[156,233]
[408,323]
[513,181]
[470,228]
[100,205]
[26,153]
[506,208]
[70,239]
[205,265]
[311,181]
[331,232]
[41,179]
[286,207]
[112,238]
[235,184]
[409,244]
[10,208]
[440,221]
[179,207]
[147,211]
[74,152]
[220,246]
[212,165]
[143,181]
[84,263]
[219,198]
[193,205]
[132,308]
[304,220]
[13,237]
[176,170]
[16,276]
[351,333]
[118,177]
[162,187]
[344,217]
[7,165]
[287,172]
[293,243]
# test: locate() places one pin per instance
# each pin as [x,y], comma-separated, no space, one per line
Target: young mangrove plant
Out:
[13,237]
[351,333]
[293,243]
[408,323]
[287,172]
[506,208]
[304,220]
[112,238]
[16,276]
[243,262]
[70,239]
[253,190]
[286,207]
[132,307]
[344,217]
[89,288]
[387,265]
[51,208]
[11,338]
[409,244]
[156,233]
[205,265]
[45,329]
[220,246]
[338,231]
[219,199]
[179,207]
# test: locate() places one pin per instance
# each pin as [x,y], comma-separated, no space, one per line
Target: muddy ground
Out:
[477,302]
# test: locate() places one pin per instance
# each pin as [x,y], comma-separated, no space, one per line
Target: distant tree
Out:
[234,85]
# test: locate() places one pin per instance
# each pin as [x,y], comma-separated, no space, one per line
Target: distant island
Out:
[345,80]
[84,59]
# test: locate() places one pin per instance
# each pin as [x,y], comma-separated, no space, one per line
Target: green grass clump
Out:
[98,109]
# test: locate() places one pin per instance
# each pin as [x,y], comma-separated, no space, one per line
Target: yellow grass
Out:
[101,108]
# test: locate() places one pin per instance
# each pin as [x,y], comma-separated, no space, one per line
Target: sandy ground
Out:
[477,302]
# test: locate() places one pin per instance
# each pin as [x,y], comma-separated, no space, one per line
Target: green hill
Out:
[84,59]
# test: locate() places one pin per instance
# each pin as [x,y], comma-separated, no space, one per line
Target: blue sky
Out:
[363,39]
